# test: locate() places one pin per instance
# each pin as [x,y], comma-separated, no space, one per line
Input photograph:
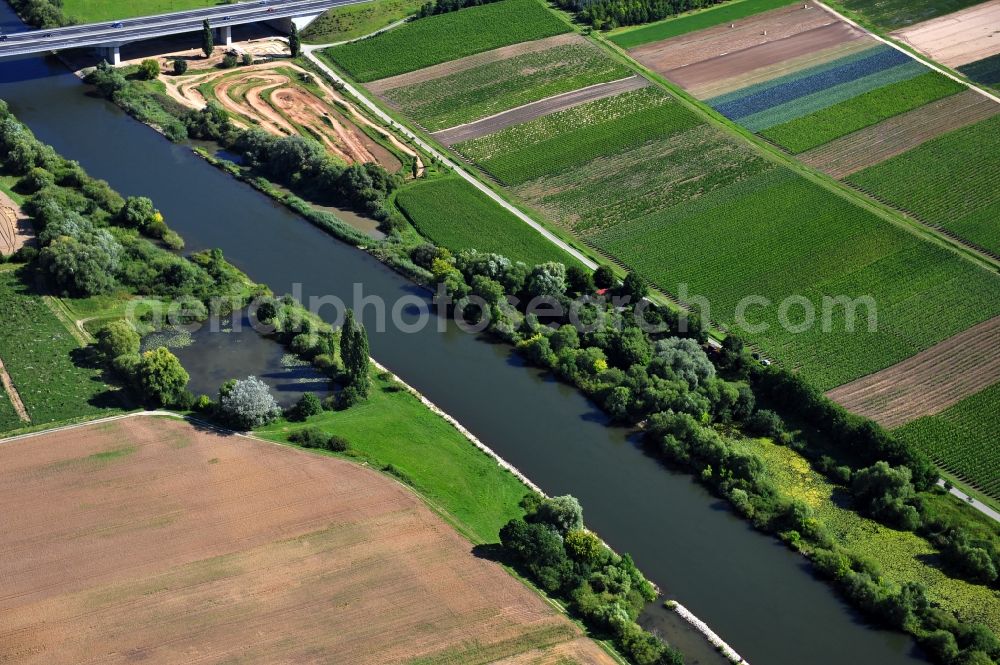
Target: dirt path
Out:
[273,102]
[873,145]
[516,116]
[958,38]
[15,227]
[928,382]
[15,397]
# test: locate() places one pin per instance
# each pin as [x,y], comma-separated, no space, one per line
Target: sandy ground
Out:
[959,38]
[894,136]
[15,227]
[928,382]
[765,55]
[537,109]
[146,539]
[714,87]
[713,42]
[332,119]
[468,62]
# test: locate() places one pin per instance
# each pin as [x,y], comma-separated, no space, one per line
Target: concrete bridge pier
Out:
[226,35]
[112,54]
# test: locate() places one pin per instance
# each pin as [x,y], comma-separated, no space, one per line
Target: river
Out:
[759,596]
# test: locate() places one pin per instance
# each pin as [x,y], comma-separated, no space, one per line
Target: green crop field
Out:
[952,181]
[616,188]
[92,11]
[985,71]
[862,111]
[778,235]
[963,439]
[501,85]
[672,27]
[38,353]
[436,39]
[558,141]
[352,21]
[392,427]
[452,213]
[893,14]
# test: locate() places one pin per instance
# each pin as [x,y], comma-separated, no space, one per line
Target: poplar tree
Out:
[354,354]
[294,43]
[207,43]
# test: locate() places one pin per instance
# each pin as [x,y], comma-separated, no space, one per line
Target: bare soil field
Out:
[15,227]
[267,95]
[772,53]
[873,145]
[959,38]
[147,539]
[537,109]
[928,382]
[468,62]
[715,87]
[772,26]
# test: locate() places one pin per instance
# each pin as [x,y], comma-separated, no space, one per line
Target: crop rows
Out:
[674,27]
[962,439]
[862,111]
[818,101]
[892,14]
[452,213]
[436,39]
[561,140]
[761,100]
[952,181]
[777,235]
[38,353]
[985,71]
[497,86]
[613,189]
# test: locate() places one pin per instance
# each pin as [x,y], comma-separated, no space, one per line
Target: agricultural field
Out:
[958,38]
[963,439]
[352,21]
[752,237]
[436,39]
[150,536]
[504,83]
[952,182]
[929,382]
[35,346]
[893,14]
[728,12]
[985,71]
[862,111]
[452,213]
[902,556]
[93,11]
[556,142]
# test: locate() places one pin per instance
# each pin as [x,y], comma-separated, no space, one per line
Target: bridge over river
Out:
[110,36]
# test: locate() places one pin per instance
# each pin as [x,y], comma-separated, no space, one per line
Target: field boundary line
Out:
[13,395]
[930,64]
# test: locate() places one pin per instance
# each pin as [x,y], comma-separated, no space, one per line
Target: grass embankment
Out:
[45,361]
[452,213]
[902,556]
[395,432]
[436,39]
[92,11]
[352,21]
[962,439]
[699,20]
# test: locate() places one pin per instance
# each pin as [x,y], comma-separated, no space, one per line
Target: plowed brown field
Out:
[958,38]
[146,539]
[928,382]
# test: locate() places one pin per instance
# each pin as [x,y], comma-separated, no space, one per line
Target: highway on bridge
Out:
[149,27]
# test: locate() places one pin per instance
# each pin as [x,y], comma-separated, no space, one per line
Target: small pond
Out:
[231,351]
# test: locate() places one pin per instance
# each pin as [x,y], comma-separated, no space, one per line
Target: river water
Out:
[759,596]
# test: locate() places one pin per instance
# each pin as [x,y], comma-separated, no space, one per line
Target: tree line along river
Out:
[759,596]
